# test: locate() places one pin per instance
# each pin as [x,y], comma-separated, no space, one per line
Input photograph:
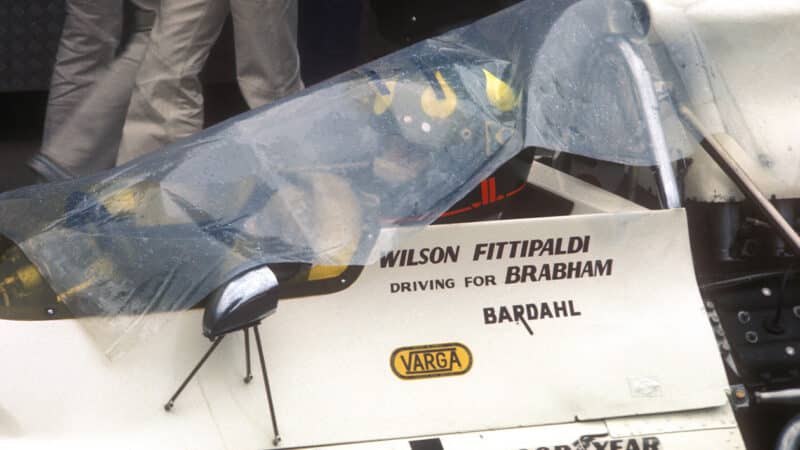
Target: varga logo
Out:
[425,361]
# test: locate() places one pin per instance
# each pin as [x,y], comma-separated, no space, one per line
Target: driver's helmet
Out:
[440,113]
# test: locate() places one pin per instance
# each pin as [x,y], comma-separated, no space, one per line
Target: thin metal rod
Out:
[277,440]
[168,406]
[249,377]
[735,172]
[649,105]
[785,396]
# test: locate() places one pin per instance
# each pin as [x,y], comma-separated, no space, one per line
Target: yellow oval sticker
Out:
[426,361]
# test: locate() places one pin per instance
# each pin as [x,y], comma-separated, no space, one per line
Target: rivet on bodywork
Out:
[743,316]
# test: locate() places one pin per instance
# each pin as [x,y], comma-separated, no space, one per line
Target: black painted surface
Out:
[426,444]
[29,32]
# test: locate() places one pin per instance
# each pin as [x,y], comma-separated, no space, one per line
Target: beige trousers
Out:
[167,101]
[91,88]
[89,41]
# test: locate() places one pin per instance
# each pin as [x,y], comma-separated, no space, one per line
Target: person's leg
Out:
[89,41]
[89,140]
[167,100]
[267,61]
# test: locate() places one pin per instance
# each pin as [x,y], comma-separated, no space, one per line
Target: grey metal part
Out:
[789,438]
[785,396]
[649,99]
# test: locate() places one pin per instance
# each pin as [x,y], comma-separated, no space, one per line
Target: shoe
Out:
[48,170]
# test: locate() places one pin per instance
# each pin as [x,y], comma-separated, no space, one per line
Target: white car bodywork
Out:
[631,357]
[749,97]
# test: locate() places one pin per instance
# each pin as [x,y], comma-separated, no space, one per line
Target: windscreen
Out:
[316,177]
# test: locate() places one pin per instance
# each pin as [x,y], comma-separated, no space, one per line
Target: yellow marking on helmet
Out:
[435,107]
[29,276]
[122,201]
[498,92]
[382,102]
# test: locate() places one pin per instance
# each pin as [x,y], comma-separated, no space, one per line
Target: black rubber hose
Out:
[775,326]
[789,438]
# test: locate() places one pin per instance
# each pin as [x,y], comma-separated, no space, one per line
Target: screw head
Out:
[751,337]
[740,394]
[796,311]
[766,292]
[790,350]
[51,312]
[743,317]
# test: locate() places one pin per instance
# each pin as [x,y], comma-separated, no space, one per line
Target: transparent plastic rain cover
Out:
[314,177]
